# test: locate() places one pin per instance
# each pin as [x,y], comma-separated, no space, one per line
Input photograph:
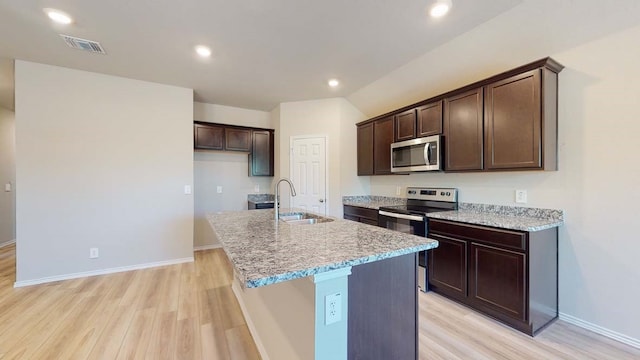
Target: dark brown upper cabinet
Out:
[382,139]
[237,139]
[261,158]
[463,131]
[429,120]
[405,125]
[506,122]
[521,122]
[365,149]
[259,143]
[208,137]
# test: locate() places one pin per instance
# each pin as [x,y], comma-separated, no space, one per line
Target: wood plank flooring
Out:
[182,311]
[188,311]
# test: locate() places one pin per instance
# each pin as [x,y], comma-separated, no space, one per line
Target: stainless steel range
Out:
[411,218]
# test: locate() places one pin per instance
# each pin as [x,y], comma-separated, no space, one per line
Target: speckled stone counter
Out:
[261,198]
[263,252]
[372,202]
[505,217]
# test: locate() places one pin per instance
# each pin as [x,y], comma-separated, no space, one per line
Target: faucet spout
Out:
[276,200]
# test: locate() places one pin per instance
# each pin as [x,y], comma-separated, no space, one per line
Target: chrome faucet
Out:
[275,203]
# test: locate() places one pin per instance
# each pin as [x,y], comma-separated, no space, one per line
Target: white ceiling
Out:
[264,51]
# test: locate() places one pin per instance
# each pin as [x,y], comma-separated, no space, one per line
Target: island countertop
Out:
[264,252]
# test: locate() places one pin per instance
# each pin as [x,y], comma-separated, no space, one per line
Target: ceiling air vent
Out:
[83,44]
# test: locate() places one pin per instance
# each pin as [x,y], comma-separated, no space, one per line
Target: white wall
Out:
[226,169]
[102,161]
[7,176]
[334,118]
[597,180]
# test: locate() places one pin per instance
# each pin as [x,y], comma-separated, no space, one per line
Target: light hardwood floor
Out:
[185,311]
[188,311]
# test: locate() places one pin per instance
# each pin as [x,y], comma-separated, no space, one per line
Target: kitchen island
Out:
[331,290]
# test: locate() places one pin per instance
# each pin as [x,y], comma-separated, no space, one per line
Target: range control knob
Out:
[442,193]
[448,193]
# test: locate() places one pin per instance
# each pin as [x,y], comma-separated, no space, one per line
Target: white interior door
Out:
[308,173]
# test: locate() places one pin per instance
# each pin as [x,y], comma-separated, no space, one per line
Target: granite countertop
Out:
[500,216]
[372,202]
[263,252]
[505,217]
[261,198]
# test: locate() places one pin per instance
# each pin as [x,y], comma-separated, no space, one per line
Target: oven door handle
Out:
[401,216]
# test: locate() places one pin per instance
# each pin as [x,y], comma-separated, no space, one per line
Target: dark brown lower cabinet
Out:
[360,214]
[509,275]
[448,267]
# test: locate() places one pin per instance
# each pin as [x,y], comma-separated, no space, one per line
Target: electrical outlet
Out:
[219,189]
[332,308]
[398,190]
[187,189]
[256,188]
[521,196]
[93,253]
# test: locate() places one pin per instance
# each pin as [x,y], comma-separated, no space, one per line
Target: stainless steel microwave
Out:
[422,154]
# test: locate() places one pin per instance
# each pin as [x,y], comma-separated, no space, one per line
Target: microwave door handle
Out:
[427,154]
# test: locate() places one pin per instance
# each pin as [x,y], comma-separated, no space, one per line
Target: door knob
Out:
[321,200]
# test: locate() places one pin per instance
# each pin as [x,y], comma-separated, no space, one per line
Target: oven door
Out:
[409,224]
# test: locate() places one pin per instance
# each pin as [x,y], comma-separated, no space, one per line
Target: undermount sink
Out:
[300,218]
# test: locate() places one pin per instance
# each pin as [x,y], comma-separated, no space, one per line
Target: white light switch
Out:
[398,190]
[7,187]
[256,188]
[521,196]
[219,189]
[187,189]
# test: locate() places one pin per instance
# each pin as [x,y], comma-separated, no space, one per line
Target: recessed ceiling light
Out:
[333,82]
[58,16]
[203,51]
[440,8]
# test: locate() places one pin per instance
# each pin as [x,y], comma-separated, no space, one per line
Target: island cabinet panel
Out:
[513,122]
[383,136]
[383,310]
[463,131]
[429,121]
[261,158]
[237,139]
[360,214]
[509,275]
[405,125]
[448,267]
[365,149]
[209,137]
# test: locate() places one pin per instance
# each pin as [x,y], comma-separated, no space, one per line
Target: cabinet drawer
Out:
[508,239]
[371,214]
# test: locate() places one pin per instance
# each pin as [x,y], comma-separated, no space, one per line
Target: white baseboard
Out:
[600,330]
[7,243]
[207,247]
[237,291]
[49,279]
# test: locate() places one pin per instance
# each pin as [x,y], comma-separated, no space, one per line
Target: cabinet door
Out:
[365,149]
[261,157]
[513,122]
[448,267]
[405,125]
[382,140]
[237,139]
[498,281]
[429,119]
[463,131]
[208,137]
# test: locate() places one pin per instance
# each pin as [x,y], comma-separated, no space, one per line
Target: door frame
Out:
[326,163]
